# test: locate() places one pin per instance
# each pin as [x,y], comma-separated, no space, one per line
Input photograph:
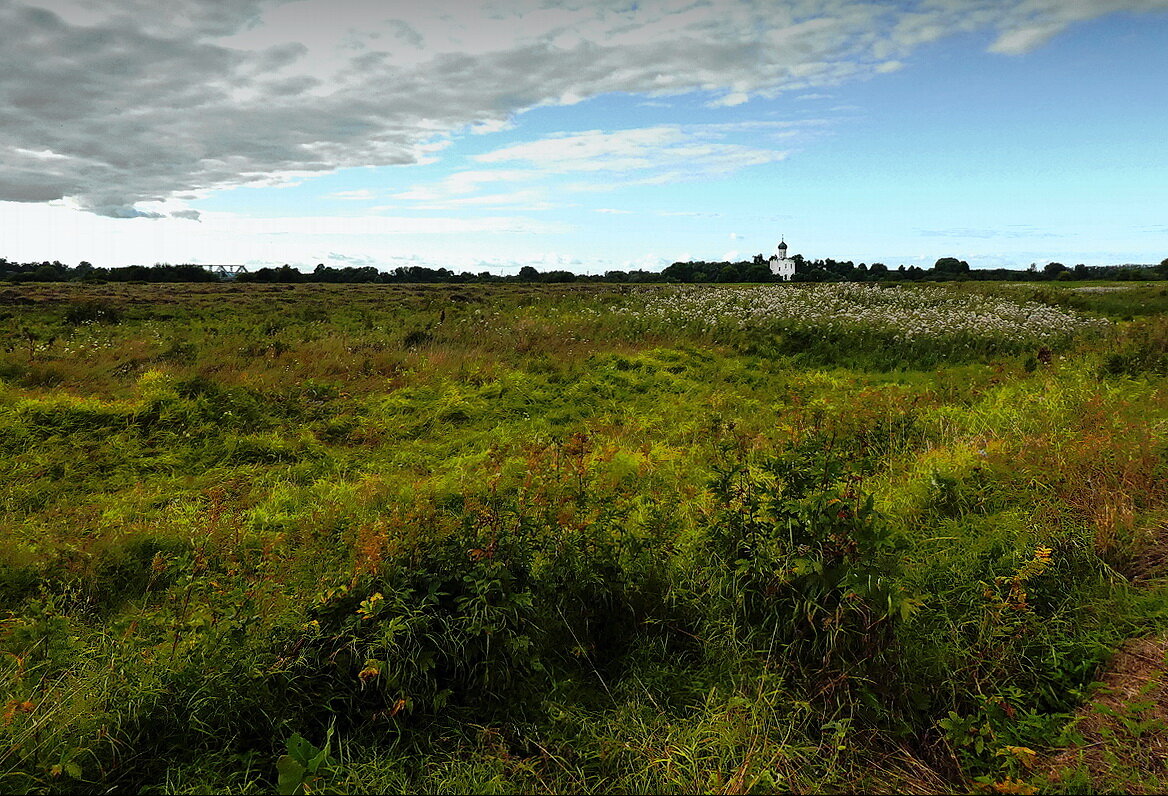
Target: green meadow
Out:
[576,538]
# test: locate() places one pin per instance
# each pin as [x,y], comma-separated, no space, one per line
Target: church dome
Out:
[783,245]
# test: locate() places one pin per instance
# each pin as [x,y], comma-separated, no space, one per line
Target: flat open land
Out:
[583,538]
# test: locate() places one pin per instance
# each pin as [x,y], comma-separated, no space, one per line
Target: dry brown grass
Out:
[1150,563]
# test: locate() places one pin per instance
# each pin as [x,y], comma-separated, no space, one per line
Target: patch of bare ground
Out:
[1121,734]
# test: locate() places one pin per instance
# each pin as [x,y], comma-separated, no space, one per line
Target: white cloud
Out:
[517,200]
[1030,23]
[463,182]
[1016,42]
[612,183]
[594,150]
[359,194]
[380,225]
[120,105]
[731,100]
[607,161]
[1020,231]
[652,261]
[35,232]
[696,149]
[352,260]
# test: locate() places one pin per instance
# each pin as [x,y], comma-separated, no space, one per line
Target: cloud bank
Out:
[136,108]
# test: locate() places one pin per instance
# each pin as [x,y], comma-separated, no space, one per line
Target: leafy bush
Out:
[1142,350]
[94,311]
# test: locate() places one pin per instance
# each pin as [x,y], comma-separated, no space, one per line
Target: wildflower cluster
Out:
[903,313]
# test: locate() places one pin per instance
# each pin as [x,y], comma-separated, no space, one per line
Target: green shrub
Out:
[94,311]
[800,564]
[1142,350]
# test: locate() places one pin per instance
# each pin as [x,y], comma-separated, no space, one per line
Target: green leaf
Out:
[321,758]
[299,749]
[291,776]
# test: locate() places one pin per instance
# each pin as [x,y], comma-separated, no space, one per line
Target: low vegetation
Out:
[547,538]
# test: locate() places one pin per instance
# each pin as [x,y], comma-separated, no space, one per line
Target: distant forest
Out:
[756,270]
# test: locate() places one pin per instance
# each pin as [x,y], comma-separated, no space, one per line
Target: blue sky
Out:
[483,138]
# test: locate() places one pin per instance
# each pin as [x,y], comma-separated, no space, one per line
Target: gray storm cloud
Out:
[122,107]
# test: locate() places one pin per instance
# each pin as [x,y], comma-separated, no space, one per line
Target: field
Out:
[582,538]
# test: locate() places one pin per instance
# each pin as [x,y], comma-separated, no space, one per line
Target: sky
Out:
[584,135]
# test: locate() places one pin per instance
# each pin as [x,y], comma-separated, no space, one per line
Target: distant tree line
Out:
[416,273]
[755,270]
[945,269]
[57,271]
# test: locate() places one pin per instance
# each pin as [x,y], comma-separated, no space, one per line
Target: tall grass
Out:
[545,539]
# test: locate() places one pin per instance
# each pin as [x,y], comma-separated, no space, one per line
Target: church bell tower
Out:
[782,267]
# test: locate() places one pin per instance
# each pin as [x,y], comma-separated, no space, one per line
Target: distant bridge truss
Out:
[227,271]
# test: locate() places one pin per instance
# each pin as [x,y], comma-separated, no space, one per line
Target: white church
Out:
[782,267]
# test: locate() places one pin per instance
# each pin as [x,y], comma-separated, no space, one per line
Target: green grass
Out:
[550,538]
